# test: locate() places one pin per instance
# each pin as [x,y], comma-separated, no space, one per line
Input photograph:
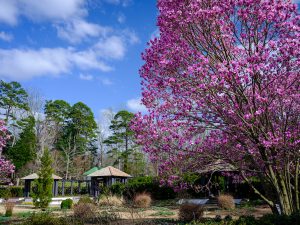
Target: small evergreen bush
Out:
[66,204]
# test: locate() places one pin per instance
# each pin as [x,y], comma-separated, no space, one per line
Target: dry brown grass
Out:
[189,212]
[9,207]
[84,210]
[226,201]
[142,200]
[111,200]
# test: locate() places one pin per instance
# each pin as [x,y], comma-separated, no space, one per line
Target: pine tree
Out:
[43,194]
[24,150]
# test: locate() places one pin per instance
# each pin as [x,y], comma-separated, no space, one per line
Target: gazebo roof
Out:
[218,166]
[109,172]
[92,170]
[34,176]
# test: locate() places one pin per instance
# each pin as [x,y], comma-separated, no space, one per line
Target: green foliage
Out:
[76,129]
[271,219]
[47,218]
[24,149]
[12,96]
[143,184]
[43,194]
[123,148]
[66,204]
[163,213]
[11,192]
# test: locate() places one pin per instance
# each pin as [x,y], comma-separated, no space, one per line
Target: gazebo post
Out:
[27,186]
[63,188]
[55,187]
[71,187]
[79,183]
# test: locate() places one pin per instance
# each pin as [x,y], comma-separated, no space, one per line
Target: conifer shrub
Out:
[42,195]
[66,204]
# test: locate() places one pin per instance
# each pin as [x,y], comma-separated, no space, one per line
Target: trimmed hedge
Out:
[11,191]
[143,184]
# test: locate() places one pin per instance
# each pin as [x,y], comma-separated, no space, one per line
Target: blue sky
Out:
[77,50]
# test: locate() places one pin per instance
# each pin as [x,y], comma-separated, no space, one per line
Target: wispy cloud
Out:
[106,81]
[135,105]
[112,47]
[5,36]
[121,18]
[123,3]
[78,29]
[87,77]
[22,64]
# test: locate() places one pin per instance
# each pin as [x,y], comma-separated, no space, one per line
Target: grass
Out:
[163,213]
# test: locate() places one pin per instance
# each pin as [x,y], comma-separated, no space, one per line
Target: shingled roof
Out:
[109,172]
[35,176]
[218,166]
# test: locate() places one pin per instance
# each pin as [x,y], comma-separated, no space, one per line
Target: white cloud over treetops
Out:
[136,105]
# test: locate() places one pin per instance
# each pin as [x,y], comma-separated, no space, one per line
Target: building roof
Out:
[92,170]
[34,176]
[218,166]
[109,172]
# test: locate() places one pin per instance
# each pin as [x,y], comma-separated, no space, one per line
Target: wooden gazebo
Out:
[106,177]
[28,179]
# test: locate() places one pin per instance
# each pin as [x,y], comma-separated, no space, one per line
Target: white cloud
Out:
[124,3]
[78,29]
[112,47]
[155,34]
[52,9]
[106,81]
[41,10]
[135,105]
[5,36]
[86,77]
[121,18]
[9,11]
[22,64]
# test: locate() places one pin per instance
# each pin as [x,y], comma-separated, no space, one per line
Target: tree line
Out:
[75,139]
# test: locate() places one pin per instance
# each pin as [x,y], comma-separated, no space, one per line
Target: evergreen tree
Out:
[43,194]
[24,150]
[122,144]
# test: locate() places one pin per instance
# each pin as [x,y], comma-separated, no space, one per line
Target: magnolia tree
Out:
[222,82]
[6,167]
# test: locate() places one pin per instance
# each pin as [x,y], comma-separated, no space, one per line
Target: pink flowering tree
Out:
[6,167]
[222,82]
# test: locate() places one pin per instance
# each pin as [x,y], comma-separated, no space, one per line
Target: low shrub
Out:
[142,200]
[111,200]
[189,212]
[84,211]
[85,199]
[46,218]
[9,207]
[226,202]
[66,204]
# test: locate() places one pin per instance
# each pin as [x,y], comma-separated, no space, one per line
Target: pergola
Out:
[106,177]
[28,179]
